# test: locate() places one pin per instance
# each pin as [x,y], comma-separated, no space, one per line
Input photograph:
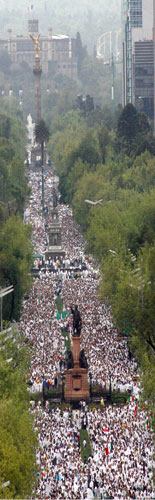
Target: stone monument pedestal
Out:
[54,234]
[77,386]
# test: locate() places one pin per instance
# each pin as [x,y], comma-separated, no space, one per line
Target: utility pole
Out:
[42,189]
[113,84]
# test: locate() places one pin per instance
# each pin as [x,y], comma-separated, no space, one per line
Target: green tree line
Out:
[15,246]
[115,162]
[18,440]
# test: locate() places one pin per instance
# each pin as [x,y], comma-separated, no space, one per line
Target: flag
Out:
[30,7]
[63,314]
[38,302]
[146,427]
[131,398]
[111,445]
[105,430]
[106,450]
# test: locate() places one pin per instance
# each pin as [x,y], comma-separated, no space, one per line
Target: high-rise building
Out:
[143,77]
[137,27]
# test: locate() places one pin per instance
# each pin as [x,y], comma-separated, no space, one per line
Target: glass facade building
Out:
[137,29]
[135,10]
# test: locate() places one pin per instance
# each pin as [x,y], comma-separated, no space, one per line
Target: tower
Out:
[33,26]
[137,24]
[37,70]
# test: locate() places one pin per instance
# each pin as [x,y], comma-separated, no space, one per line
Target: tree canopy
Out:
[18,440]
[116,165]
[15,248]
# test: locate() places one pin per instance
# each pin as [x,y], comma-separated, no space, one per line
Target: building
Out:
[143,77]
[57,52]
[137,41]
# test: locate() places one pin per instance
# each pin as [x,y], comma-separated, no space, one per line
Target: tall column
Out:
[37,71]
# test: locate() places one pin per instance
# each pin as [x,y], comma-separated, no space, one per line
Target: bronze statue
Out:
[70,360]
[77,322]
[36,48]
[83,360]
[55,199]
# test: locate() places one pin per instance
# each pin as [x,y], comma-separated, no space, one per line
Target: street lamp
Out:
[43,191]
[140,288]
[98,202]
[4,485]
[141,281]
[113,252]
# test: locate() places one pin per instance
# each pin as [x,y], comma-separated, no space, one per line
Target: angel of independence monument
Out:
[37,71]
[77,386]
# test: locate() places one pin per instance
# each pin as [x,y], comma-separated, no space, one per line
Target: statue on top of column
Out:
[36,42]
[55,199]
[77,322]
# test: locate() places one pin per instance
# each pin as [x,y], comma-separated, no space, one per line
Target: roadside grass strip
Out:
[85,446]
[67,341]
[59,304]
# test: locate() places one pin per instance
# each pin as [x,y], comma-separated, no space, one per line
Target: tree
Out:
[81,52]
[128,126]
[120,233]
[13,183]
[42,137]
[5,62]
[134,134]
[15,263]
[18,440]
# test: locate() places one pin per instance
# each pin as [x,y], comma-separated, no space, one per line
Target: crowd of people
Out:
[121,465]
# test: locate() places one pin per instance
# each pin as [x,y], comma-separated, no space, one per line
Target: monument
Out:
[54,233]
[77,386]
[37,71]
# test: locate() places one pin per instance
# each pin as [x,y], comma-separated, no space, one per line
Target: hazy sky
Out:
[64,16]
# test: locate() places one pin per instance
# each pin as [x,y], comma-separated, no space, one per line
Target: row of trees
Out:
[95,161]
[15,247]
[18,440]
